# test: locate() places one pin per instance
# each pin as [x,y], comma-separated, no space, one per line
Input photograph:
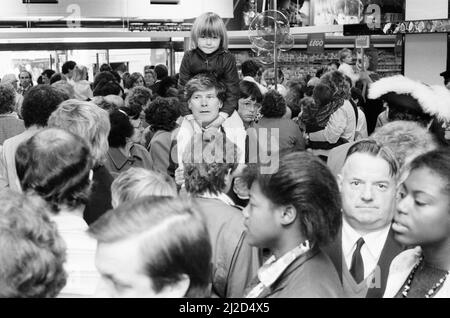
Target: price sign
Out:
[362,42]
[316,43]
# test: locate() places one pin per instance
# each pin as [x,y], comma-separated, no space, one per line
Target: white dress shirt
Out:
[371,249]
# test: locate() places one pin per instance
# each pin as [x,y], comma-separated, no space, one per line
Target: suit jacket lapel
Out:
[390,250]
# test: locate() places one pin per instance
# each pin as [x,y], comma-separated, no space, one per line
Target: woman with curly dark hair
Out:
[162,115]
[272,128]
[105,83]
[123,153]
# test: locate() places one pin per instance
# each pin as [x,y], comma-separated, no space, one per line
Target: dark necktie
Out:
[357,266]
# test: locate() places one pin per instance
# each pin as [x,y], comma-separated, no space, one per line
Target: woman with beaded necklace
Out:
[423,220]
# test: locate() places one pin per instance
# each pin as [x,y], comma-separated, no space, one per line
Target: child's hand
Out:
[216,123]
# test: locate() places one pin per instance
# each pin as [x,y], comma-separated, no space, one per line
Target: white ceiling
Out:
[121,9]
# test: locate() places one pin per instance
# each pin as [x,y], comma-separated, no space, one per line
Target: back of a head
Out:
[136,183]
[65,87]
[9,79]
[56,165]
[161,71]
[105,67]
[304,181]
[330,86]
[86,120]
[406,139]
[67,67]
[7,98]
[250,68]
[137,99]
[162,114]
[273,105]
[294,95]
[39,102]
[207,160]
[174,240]
[56,77]
[121,129]
[121,68]
[104,86]
[103,77]
[166,83]
[249,89]
[33,252]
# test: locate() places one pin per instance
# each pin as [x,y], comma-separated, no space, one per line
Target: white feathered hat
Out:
[433,100]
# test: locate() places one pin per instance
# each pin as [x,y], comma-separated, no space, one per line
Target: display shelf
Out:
[300,64]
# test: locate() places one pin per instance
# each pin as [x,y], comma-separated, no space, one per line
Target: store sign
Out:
[316,43]
[362,42]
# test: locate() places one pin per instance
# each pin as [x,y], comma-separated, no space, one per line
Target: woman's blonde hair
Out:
[86,120]
[209,24]
[139,182]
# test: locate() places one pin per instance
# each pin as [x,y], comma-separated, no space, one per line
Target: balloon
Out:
[267,31]
[265,57]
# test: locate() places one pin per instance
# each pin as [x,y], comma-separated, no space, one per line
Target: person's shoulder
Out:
[228,55]
[218,207]
[138,149]
[319,277]
[189,52]
[406,259]
[15,140]
[188,55]
[161,136]
[289,122]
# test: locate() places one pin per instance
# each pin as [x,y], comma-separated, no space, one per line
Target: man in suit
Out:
[365,247]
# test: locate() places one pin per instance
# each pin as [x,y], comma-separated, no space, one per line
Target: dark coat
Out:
[221,64]
[311,275]
[390,250]
[100,197]
[235,262]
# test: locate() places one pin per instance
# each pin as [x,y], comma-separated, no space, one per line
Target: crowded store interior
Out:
[225,149]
